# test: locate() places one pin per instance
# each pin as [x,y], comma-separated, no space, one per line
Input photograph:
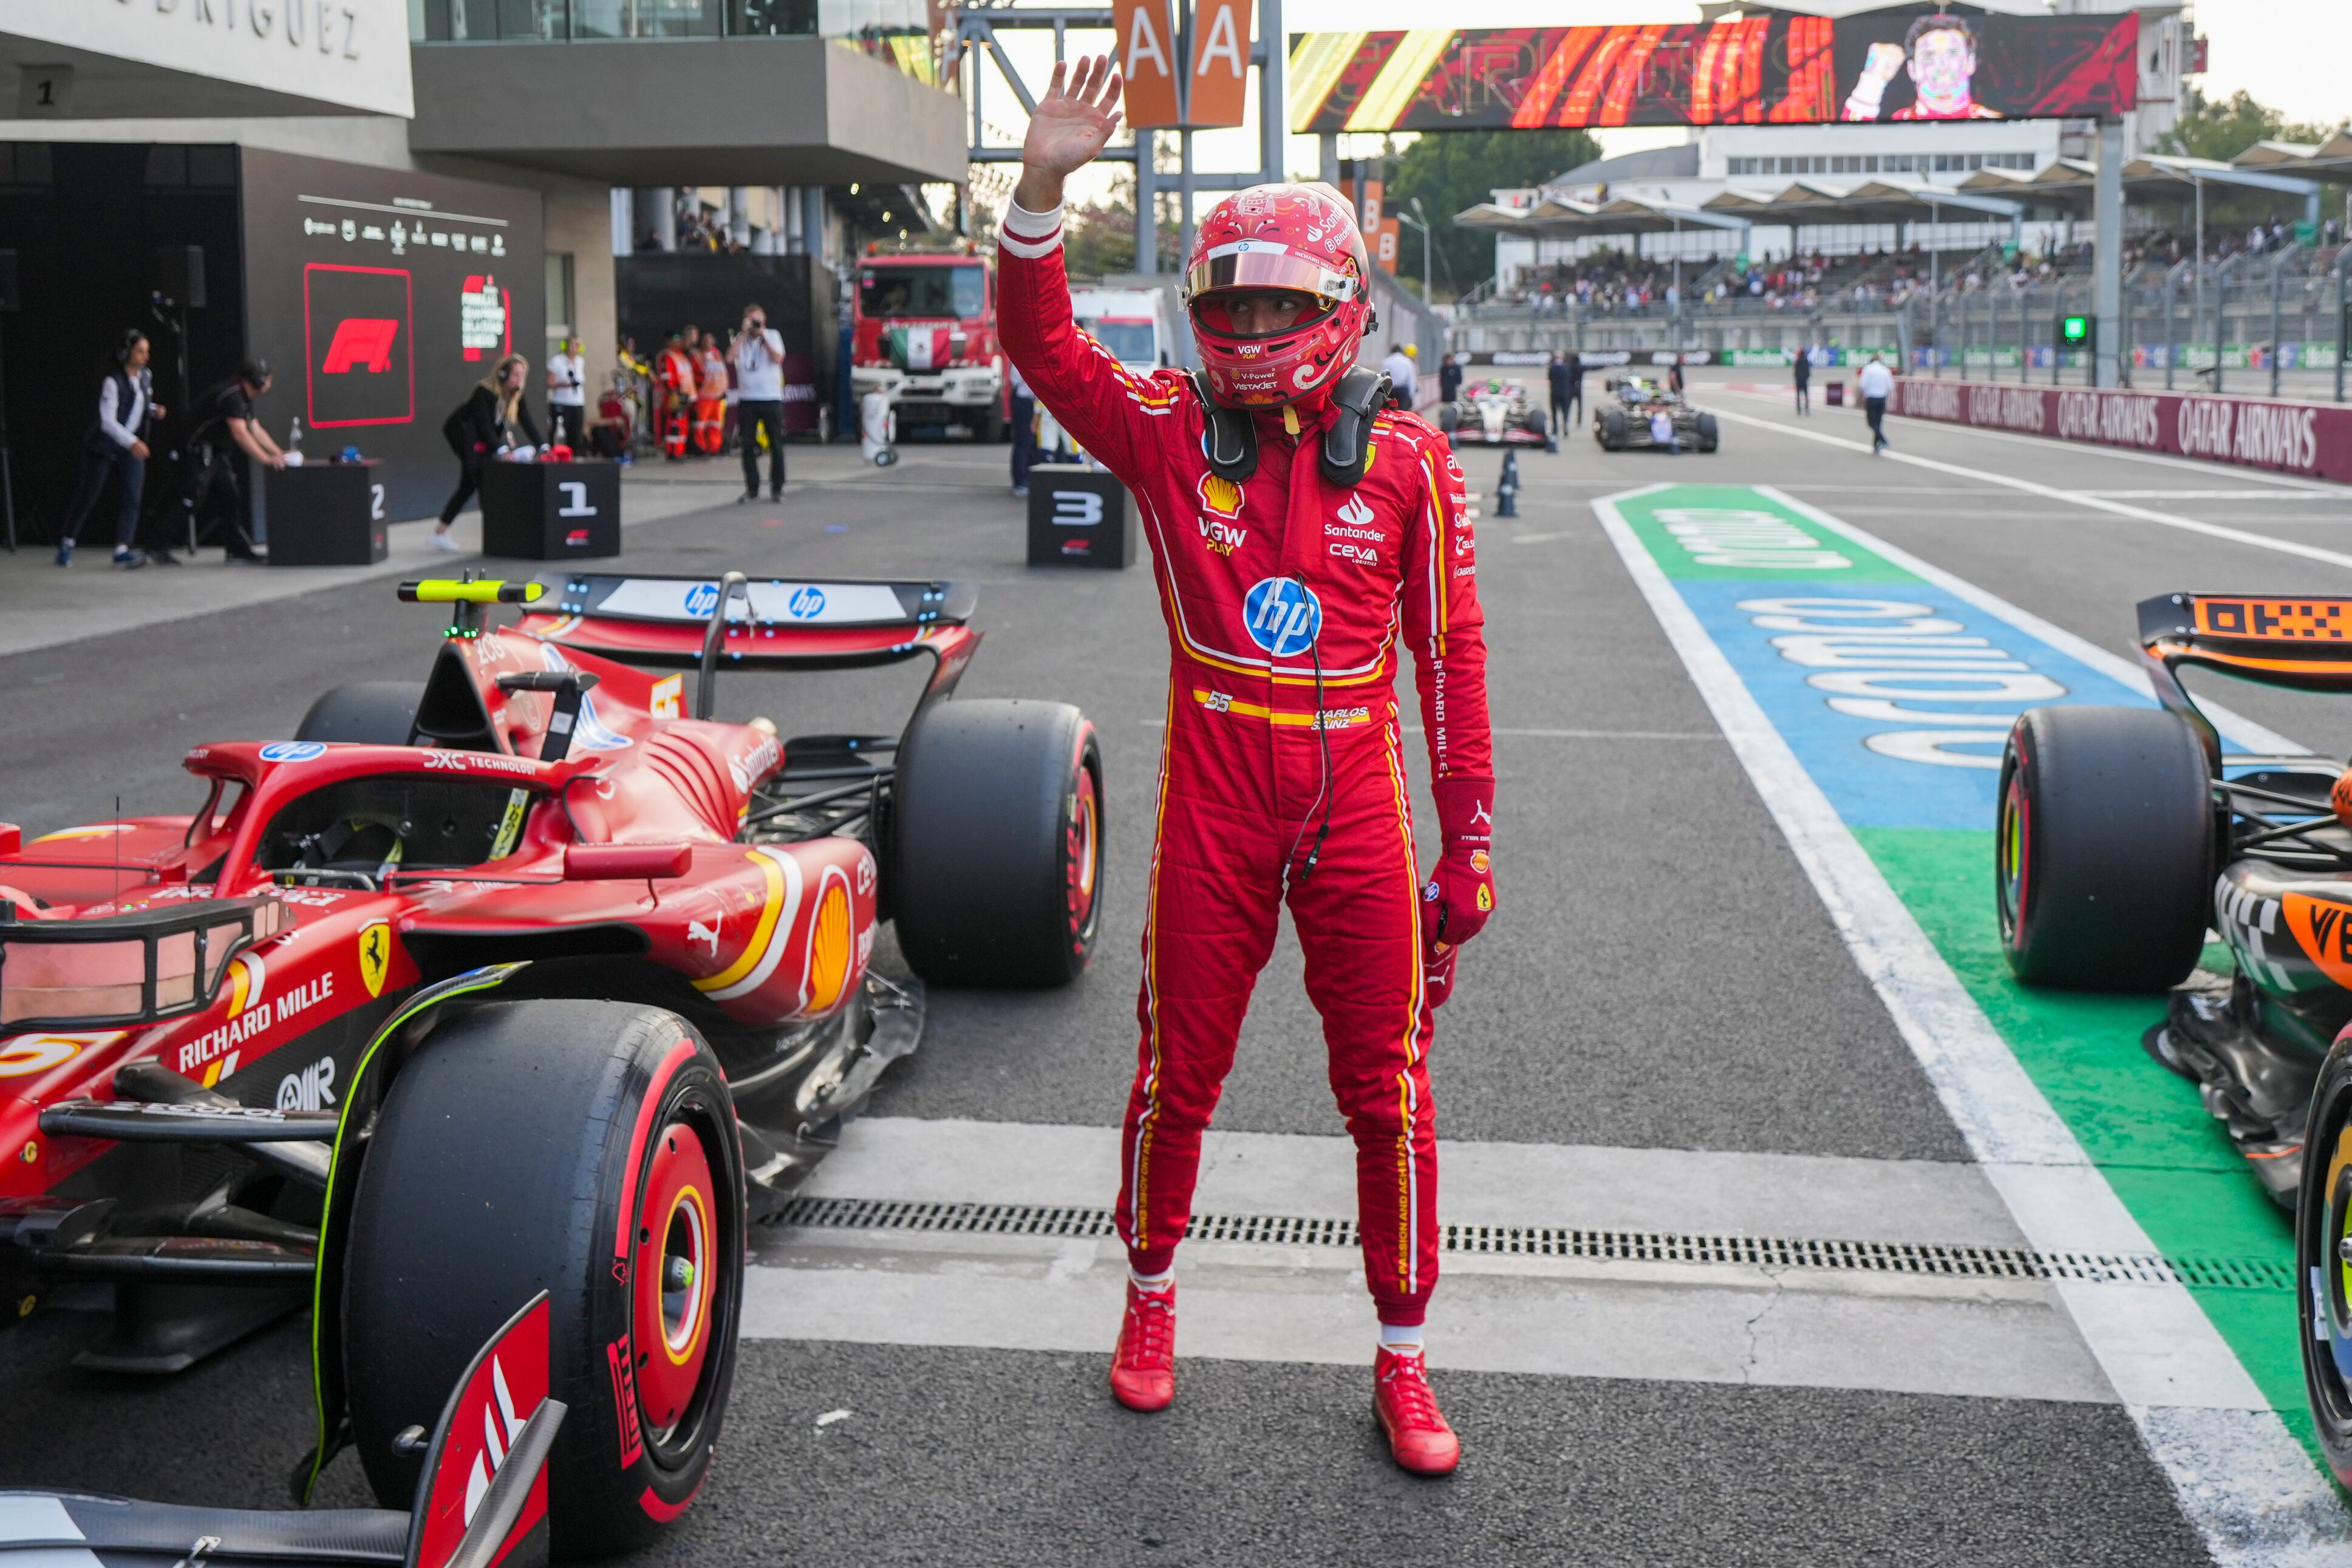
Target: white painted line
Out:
[2201,1415]
[2051,492]
[1676,1191]
[2234,727]
[1252,1304]
[2204,469]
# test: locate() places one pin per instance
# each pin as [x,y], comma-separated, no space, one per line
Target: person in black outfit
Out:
[492,421]
[1449,378]
[1674,376]
[1804,368]
[1567,388]
[115,448]
[229,435]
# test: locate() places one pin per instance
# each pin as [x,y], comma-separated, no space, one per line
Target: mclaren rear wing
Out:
[482,1498]
[736,622]
[2304,643]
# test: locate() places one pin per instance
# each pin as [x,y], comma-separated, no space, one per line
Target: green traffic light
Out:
[2074,329]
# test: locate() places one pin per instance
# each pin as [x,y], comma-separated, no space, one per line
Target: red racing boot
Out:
[1143,1368]
[1418,1435]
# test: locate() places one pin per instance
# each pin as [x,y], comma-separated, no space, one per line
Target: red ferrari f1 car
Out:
[534,977]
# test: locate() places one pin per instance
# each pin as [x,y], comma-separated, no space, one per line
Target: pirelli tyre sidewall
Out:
[2323,1223]
[2102,848]
[1709,436]
[588,1149]
[995,851]
[1611,430]
[369,713]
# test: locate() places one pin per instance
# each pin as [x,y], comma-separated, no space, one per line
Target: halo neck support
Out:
[1229,436]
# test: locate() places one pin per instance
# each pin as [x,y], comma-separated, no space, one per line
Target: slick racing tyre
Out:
[994,857]
[587,1148]
[2323,1256]
[1536,422]
[2102,848]
[1612,431]
[1707,437]
[372,712]
[1448,417]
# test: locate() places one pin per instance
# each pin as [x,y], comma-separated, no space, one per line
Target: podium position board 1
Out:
[551,511]
[1079,517]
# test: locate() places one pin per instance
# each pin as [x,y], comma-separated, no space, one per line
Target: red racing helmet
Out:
[1297,238]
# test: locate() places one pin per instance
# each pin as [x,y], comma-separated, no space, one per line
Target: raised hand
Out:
[1073,122]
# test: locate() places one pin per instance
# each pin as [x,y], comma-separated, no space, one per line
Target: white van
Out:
[1131,322]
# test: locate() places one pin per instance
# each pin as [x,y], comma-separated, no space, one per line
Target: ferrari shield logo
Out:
[375,955]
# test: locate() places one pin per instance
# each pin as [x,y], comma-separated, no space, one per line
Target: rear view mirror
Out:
[625,862]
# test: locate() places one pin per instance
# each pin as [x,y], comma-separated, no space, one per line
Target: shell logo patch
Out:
[1220,495]
[831,947]
[375,955]
[1479,861]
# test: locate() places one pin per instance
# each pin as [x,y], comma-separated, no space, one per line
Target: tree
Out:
[2222,130]
[1453,170]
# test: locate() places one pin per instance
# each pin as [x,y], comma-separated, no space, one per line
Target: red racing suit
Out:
[1243,795]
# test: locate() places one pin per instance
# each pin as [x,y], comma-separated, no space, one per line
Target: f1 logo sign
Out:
[576,500]
[1077,509]
[360,342]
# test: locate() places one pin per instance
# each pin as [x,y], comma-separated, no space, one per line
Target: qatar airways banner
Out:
[1768,69]
[2313,439]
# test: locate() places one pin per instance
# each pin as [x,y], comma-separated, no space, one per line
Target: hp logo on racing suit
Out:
[805,602]
[701,599]
[1283,615]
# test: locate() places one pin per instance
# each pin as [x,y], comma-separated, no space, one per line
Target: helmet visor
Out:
[1254,269]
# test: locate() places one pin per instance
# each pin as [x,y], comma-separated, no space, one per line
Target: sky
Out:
[2290,54]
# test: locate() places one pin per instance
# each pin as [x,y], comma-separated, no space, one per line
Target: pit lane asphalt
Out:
[1662,976]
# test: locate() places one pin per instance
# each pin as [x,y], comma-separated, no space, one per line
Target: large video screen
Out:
[379,298]
[1775,69]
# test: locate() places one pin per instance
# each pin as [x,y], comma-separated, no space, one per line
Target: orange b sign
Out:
[1220,46]
[1147,46]
[1385,242]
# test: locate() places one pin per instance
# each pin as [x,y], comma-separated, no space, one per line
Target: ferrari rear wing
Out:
[2304,643]
[773,622]
[482,1498]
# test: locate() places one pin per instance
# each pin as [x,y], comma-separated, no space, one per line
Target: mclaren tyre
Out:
[1708,436]
[373,713]
[587,1148]
[2102,848]
[1610,431]
[994,857]
[2323,1253]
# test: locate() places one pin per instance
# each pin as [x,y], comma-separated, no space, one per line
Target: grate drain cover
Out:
[1922,1259]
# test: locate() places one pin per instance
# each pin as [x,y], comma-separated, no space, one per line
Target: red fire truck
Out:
[925,331]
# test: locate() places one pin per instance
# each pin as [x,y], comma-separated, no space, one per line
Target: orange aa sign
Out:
[1145,57]
[1221,43]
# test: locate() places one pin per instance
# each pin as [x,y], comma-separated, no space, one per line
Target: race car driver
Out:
[1299,534]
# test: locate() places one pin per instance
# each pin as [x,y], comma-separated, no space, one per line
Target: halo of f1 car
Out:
[536,978]
[2124,834]
[1626,417]
[1494,412]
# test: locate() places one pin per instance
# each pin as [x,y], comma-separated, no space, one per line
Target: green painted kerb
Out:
[1730,532]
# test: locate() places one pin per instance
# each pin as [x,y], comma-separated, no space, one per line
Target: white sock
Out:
[1152,1281]
[1400,1338]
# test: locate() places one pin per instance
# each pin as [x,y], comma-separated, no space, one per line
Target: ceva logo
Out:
[360,342]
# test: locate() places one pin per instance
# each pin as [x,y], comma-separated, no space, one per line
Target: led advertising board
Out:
[380,297]
[1771,70]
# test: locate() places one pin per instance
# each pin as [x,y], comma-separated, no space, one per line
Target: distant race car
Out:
[2124,834]
[532,977]
[1630,409]
[1494,413]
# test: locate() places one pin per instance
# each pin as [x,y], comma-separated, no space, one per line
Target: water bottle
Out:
[294,444]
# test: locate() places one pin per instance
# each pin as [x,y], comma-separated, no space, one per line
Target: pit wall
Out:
[2307,438]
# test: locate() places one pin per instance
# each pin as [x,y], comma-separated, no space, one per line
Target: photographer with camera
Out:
[758,352]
